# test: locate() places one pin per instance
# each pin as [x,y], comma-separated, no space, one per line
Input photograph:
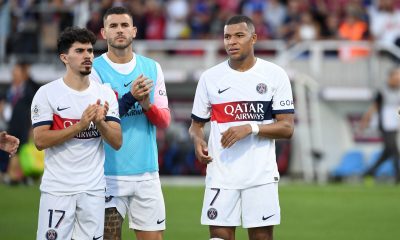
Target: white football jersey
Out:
[77,165]
[231,98]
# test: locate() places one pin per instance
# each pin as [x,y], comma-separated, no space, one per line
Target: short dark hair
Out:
[70,35]
[117,10]
[241,19]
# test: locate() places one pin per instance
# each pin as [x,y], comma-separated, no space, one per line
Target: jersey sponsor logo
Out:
[51,234]
[286,103]
[62,123]
[127,84]
[262,88]
[62,109]
[134,111]
[265,218]
[241,111]
[212,213]
[223,90]
[160,221]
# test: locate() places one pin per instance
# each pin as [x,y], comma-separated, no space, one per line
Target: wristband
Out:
[254,128]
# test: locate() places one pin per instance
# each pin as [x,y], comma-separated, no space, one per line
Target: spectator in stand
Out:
[19,98]
[95,23]
[353,28]
[330,26]
[155,20]
[292,20]
[385,26]
[177,13]
[262,29]
[202,13]
[307,29]
[274,15]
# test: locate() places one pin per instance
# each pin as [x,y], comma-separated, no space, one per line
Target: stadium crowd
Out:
[27,23]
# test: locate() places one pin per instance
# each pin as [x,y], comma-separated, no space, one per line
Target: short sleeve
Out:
[283,97]
[113,111]
[160,92]
[201,106]
[41,111]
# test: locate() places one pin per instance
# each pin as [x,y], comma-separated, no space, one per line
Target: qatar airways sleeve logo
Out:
[62,123]
[241,111]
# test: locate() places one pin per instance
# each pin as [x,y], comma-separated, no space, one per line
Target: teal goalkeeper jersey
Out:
[138,153]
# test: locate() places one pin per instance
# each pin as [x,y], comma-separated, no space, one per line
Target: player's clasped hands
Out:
[234,134]
[101,112]
[94,113]
[141,87]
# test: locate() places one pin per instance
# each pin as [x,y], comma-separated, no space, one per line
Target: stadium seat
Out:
[386,169]
[351,164]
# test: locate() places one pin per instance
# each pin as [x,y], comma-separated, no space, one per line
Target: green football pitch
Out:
[309,212]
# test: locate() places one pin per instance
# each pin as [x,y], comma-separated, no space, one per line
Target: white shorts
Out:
[257,206]
[142,201]
[78,216]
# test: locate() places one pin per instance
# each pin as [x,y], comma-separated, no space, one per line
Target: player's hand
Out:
[201,151]
[141,87]
[8,143]
[101,111]
[234,134]
[88,116]
[145,102]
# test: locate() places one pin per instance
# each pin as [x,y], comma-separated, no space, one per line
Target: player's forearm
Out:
[46,138]
[125,103]
[111,133]
[160,117]
[277,130]
[196,131]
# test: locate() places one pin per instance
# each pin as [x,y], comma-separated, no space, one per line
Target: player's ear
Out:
[63,58]
[134,31]
[103,33]
[254,38]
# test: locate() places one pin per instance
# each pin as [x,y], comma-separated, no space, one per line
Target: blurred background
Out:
[338,53]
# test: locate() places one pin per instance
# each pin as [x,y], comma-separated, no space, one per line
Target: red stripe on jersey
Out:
[241,111]
[61,123]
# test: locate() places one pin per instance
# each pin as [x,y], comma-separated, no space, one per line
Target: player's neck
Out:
[76,82]
[120,55]
[244,65]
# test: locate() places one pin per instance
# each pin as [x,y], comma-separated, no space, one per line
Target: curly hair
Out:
[70,35]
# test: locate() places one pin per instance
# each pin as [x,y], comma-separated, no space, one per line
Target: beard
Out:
[122,45]
[85,72]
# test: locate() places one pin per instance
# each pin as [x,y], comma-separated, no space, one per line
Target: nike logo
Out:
[221,91]
[62,109]
[160,221]
[265,218]
[127,84]
[95,238]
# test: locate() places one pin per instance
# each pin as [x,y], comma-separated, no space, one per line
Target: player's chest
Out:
[233,88]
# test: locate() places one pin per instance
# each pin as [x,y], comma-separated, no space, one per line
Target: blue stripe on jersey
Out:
[42,123]
[283,111]
[198,119]
[138,153]
[108,118]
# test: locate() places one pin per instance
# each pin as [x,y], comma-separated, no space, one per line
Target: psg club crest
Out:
[51,234]
[212,213]
[261,88]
